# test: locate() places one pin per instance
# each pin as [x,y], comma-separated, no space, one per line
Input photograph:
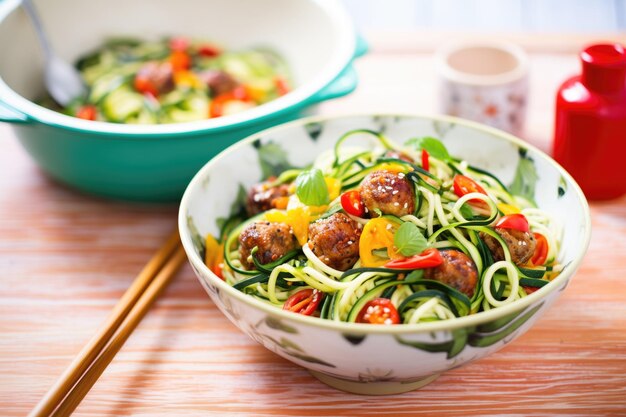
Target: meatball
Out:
[274,240]
[159,76]
[219,82]
[521,245]
[335,240]
[262,196]
[457,271]
[390,192]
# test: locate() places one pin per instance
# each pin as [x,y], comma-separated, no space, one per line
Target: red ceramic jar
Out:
[590,129]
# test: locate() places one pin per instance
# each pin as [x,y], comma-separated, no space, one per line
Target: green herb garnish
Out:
[311,188]
[408,240]
[433,146]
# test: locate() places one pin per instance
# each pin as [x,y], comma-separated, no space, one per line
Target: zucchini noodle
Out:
[457,215]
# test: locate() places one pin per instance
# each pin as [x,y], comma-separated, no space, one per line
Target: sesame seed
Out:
[401,175]
[350,242]
[388,227]
[396,204]
[388,321]
[393,182]
[394,192]
[388,187]
[406,205]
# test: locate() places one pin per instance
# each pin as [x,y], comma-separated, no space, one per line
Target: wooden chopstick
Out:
[125,316]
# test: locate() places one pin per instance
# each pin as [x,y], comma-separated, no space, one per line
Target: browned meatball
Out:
[262,197]
[274,240]
[219,82]
[521,245]
[457,271]
[390,192]
[335,240]
[158,75]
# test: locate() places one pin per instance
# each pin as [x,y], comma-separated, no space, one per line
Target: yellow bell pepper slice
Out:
[377,234]
[188,79]
[214,255]
[298,218]
[394,167]
[211,252]
[334,187]
[508,209]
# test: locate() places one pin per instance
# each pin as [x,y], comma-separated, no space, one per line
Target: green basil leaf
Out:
[408,240]
[311,188]
[433,146]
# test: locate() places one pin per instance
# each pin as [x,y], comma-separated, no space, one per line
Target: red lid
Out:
[604,67]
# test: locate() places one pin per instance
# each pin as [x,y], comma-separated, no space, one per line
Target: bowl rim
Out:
[345,45]
[448,72]
[360,328]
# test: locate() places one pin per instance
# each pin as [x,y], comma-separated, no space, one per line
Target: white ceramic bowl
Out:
[383,359]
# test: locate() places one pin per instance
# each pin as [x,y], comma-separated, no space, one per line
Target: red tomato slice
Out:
[304,301]
[144,86]
[217,270]
[541,250]
[281,86]
[209,50]
[430,258]
[352,204]
[515,221]
[216,107]
[465,185]
[379,311]
[425,161]
[87,112]
[529,290]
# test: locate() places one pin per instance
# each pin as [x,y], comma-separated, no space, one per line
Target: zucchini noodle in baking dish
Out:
[388,235]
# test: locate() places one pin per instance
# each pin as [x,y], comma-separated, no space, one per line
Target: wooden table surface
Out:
[65,259]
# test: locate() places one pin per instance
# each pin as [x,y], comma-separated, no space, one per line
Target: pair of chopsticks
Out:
[86,368]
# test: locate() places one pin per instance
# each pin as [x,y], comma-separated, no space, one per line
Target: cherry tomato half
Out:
[514,221]
[144,85]
[209,50]
[304,301]
[529,290]
[216,107]
[541,250]
[87,112]
[430,258]
[281,86]
[379,311]
[352,204]
[425,161]
[465,185]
